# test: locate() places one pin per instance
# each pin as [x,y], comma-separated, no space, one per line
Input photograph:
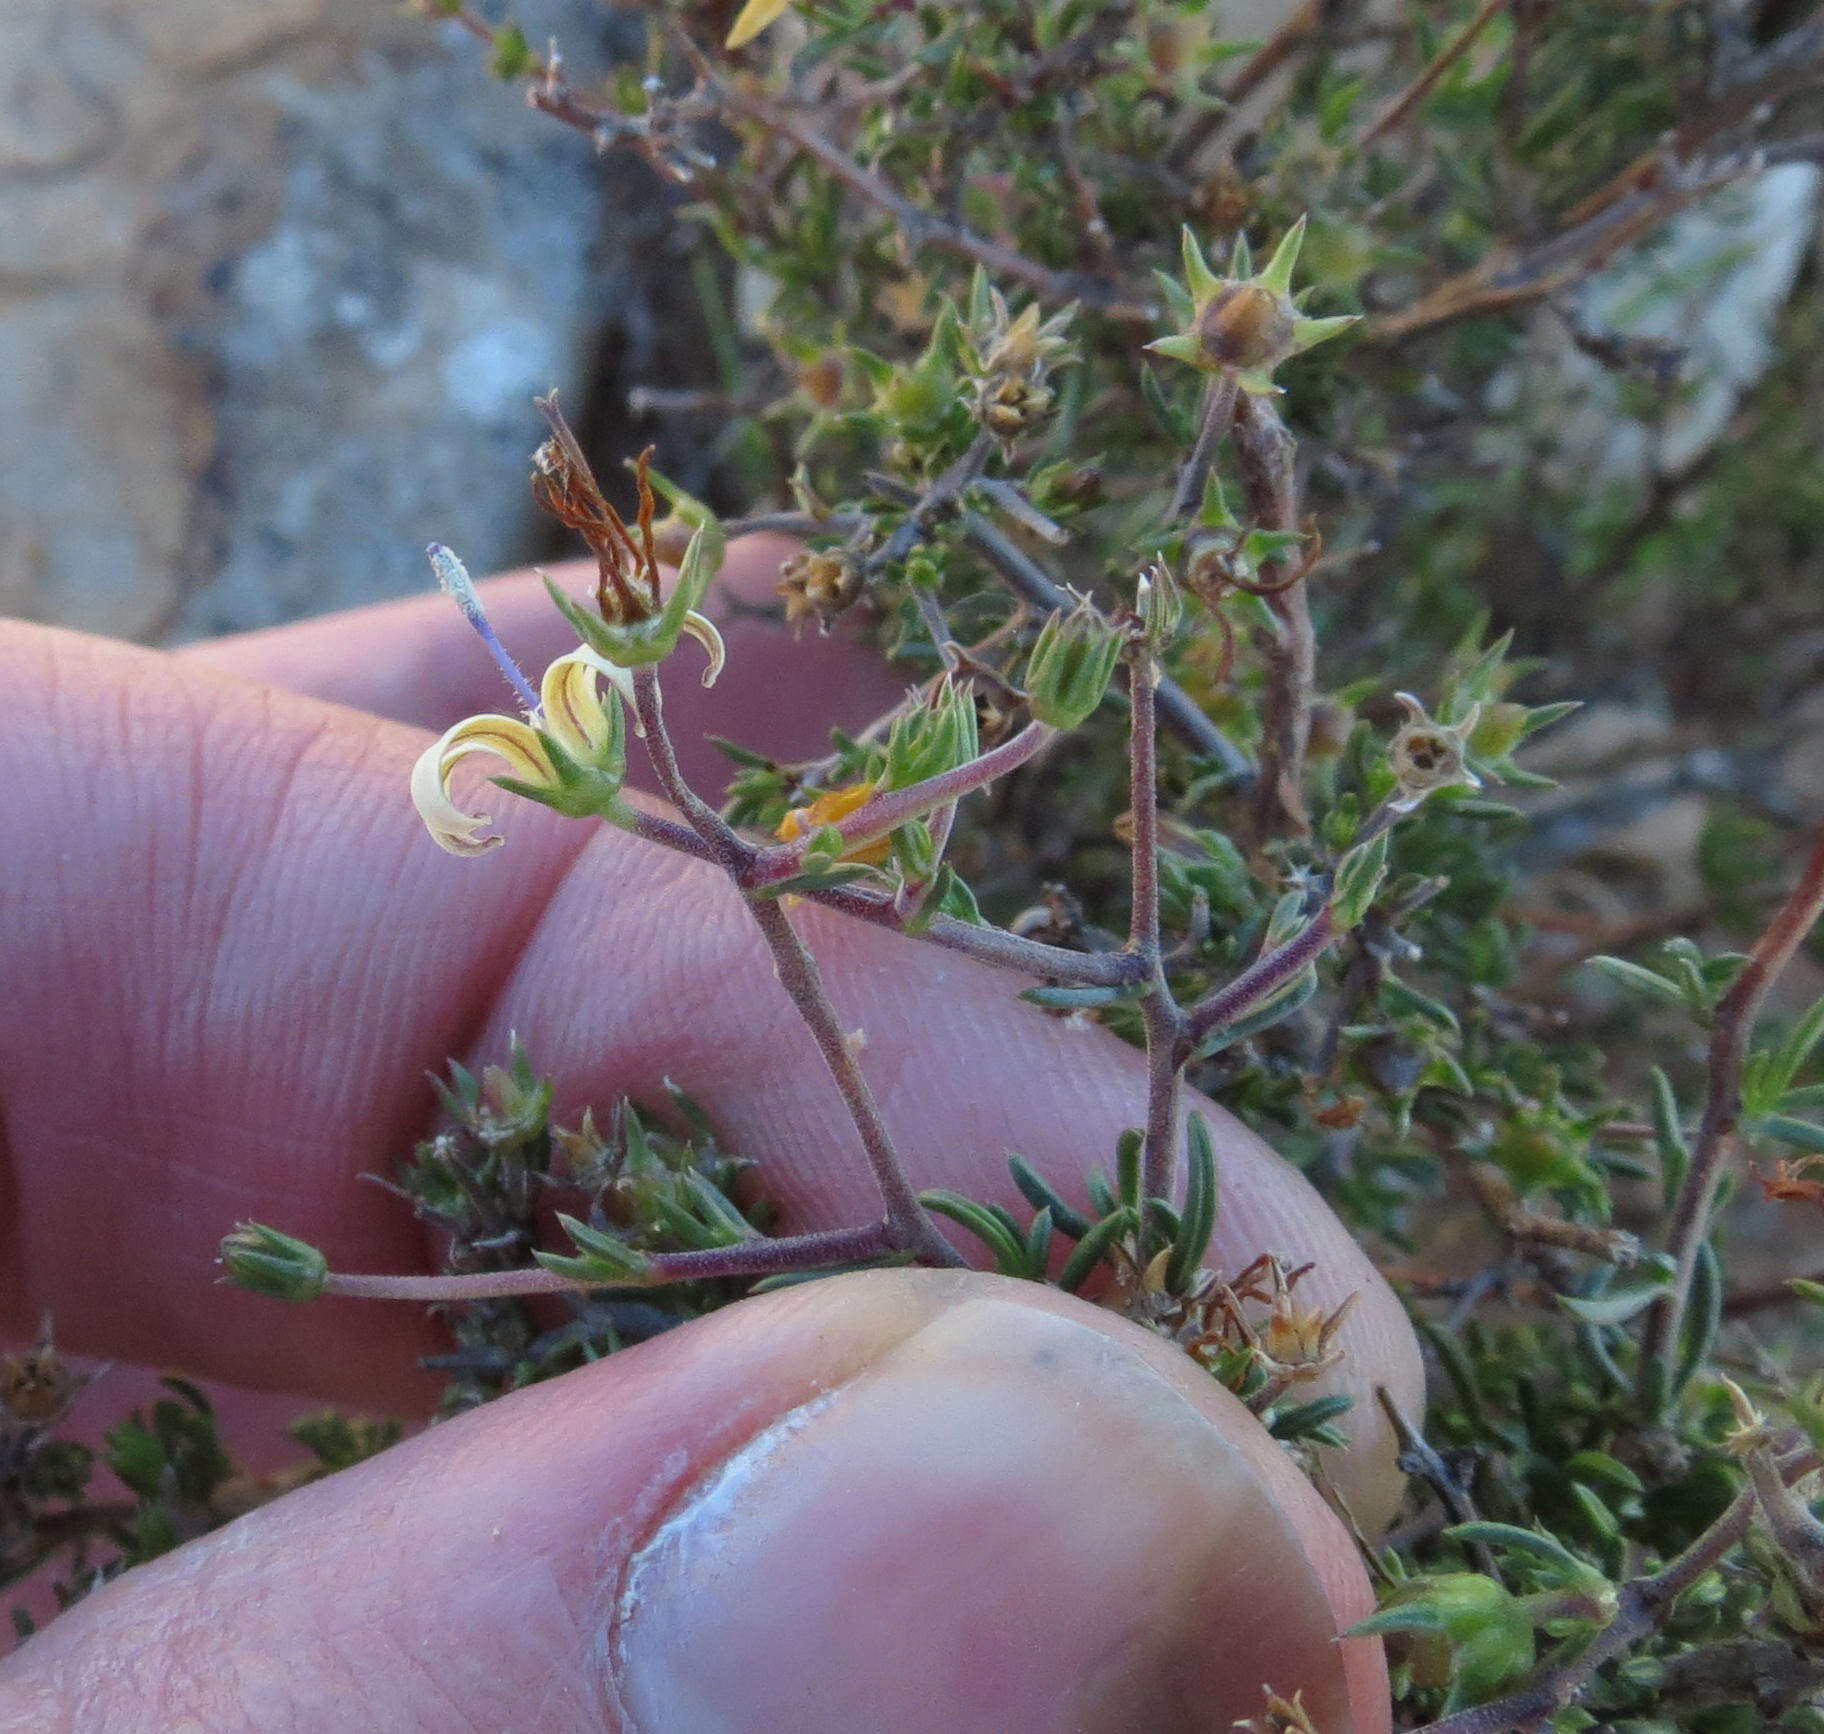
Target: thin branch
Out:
[923,228]
[1031,583]
[761,1256]
[1166,1048]
[1650,191]
[1633,206]
[1644,1604]
[1300,27]
[843,524]
[1217,415]
[801,979]
[1731,1032]
[936,501]
[1268,462]
[990,945]
[733,853]
[1419,1457]
[886,813]
[1261,980]
[1407,103]
[912,1228]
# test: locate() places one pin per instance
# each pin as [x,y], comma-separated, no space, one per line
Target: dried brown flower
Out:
[627,582]
[819,585]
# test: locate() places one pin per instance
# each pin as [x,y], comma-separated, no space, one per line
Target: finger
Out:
[418,661]
[236,956]
[905,1501]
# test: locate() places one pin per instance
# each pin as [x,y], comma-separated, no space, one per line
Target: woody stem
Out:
[906,1219]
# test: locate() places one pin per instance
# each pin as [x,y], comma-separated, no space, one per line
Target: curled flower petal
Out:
[450,827]
[508,739]
[703,630]
[568,704]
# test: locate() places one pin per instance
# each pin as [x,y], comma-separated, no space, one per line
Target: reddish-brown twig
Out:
[1730,1034]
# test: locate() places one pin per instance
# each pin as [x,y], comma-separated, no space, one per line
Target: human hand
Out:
[901,1501]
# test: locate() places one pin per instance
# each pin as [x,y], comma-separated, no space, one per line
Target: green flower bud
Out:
[931,738]
[1070,667]
[267,1262]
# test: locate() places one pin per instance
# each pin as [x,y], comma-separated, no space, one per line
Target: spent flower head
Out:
[1427,756]
[635,621]
[1009,360]
[1246,323]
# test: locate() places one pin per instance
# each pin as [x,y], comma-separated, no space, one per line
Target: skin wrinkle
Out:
[1127,1379]
[121,948]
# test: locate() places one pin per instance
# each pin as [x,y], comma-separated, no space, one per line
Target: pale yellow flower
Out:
[754,17]
[572,756]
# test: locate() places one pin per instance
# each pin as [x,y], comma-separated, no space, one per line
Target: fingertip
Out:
[750,570]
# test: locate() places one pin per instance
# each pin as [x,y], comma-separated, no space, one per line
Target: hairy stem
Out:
[1165,1045]
[1262,979]
[1268,473]
[728,849]
[760,1256]
[1406,104]
[912,1229]
[923,228]
[886,813]
[1031,583]
[1213,423]
[799,976]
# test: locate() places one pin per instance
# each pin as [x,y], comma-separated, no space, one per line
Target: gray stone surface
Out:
[277,281]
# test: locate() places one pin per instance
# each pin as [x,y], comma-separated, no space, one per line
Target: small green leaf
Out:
[1093,1247]
[1801,1134]
[1197,1221]
[1042,1195]
[1127,1165]
[1038,1246]
[1703,1318]
[512,55]
[1620,1301]
[1674,1152]
[1358,878]
[1008,1249]
[1646,981]
[1545,1548]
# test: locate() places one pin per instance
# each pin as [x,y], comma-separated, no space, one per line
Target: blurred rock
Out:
[277,280]
[1702,296]
[1597,735]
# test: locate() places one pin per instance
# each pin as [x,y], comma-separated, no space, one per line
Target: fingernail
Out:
[1010,1522]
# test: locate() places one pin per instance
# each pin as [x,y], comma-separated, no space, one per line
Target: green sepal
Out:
[639,642]
[1071,665]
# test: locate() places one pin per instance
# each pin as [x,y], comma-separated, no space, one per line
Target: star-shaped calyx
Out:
[1246,323]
